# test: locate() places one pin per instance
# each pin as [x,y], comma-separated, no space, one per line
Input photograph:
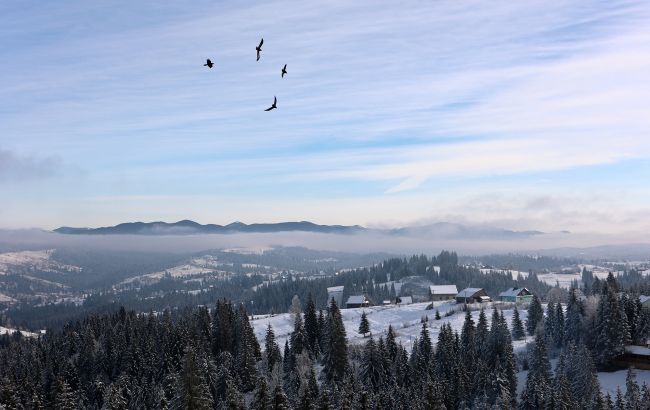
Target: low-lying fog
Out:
[12,240]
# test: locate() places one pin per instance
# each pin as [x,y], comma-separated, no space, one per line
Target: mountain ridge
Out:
[189,227]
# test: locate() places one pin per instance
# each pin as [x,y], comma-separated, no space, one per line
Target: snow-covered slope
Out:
[406,321]
[7,331]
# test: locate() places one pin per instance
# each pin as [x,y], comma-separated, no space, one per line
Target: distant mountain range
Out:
[186,227]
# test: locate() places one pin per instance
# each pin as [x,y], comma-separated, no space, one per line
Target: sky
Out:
[522,115]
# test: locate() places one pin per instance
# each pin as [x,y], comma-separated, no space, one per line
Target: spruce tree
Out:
[234,399]
[309,393]
[518,331]
[279,401]
[335,360]
[482,334]
[632,391]
[620,401]
[261,398]
[550,326]
[371,368]
[558,330]
[611,329]
[537,392]
[364,326]
[298,336]
[192,391]
[311,326]
[391,344]
[65,398]
[272,350]
[573,324]
[535,315]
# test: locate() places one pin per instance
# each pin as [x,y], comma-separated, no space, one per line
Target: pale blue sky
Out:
[527,114]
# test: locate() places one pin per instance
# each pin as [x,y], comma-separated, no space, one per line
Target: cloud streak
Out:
[16,168]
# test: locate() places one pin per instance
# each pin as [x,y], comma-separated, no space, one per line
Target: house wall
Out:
[440,297]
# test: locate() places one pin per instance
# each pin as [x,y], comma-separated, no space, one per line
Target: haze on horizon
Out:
[521,116]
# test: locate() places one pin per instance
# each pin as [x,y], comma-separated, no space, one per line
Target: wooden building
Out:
[472,295]
[516,295]
[442,292]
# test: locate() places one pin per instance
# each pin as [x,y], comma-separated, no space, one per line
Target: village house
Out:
[634,356]
[357,301]
[472,295]
[516,295]
[443,292]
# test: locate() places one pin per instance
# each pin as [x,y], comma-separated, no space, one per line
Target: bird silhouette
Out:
[274,106]
[284,70]
[209,63]
[259,49]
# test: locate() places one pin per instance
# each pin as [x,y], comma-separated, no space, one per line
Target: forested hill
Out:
[210,359]
[262,296]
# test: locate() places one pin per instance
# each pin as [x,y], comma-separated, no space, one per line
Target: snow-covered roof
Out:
[644,298]
[406,300]
[467,292]
[638,350]
[443,289]
[335,289]
[513,292]
[356,300]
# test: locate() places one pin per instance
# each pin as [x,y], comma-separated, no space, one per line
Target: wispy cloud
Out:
[19,168]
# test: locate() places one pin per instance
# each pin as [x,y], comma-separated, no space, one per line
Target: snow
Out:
[563,279]
[443,289]
[196,266]
[37,259]
[609,381]
[7,331]
[6,299]
[406,321]
[468,292]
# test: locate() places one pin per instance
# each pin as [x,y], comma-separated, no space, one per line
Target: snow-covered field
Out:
[197,266]
[609,381]
[38,259]
[563,279]
[406,322]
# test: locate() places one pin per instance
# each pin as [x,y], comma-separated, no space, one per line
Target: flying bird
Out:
[274,106]
[259,49]
[209,63]
[284,70]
